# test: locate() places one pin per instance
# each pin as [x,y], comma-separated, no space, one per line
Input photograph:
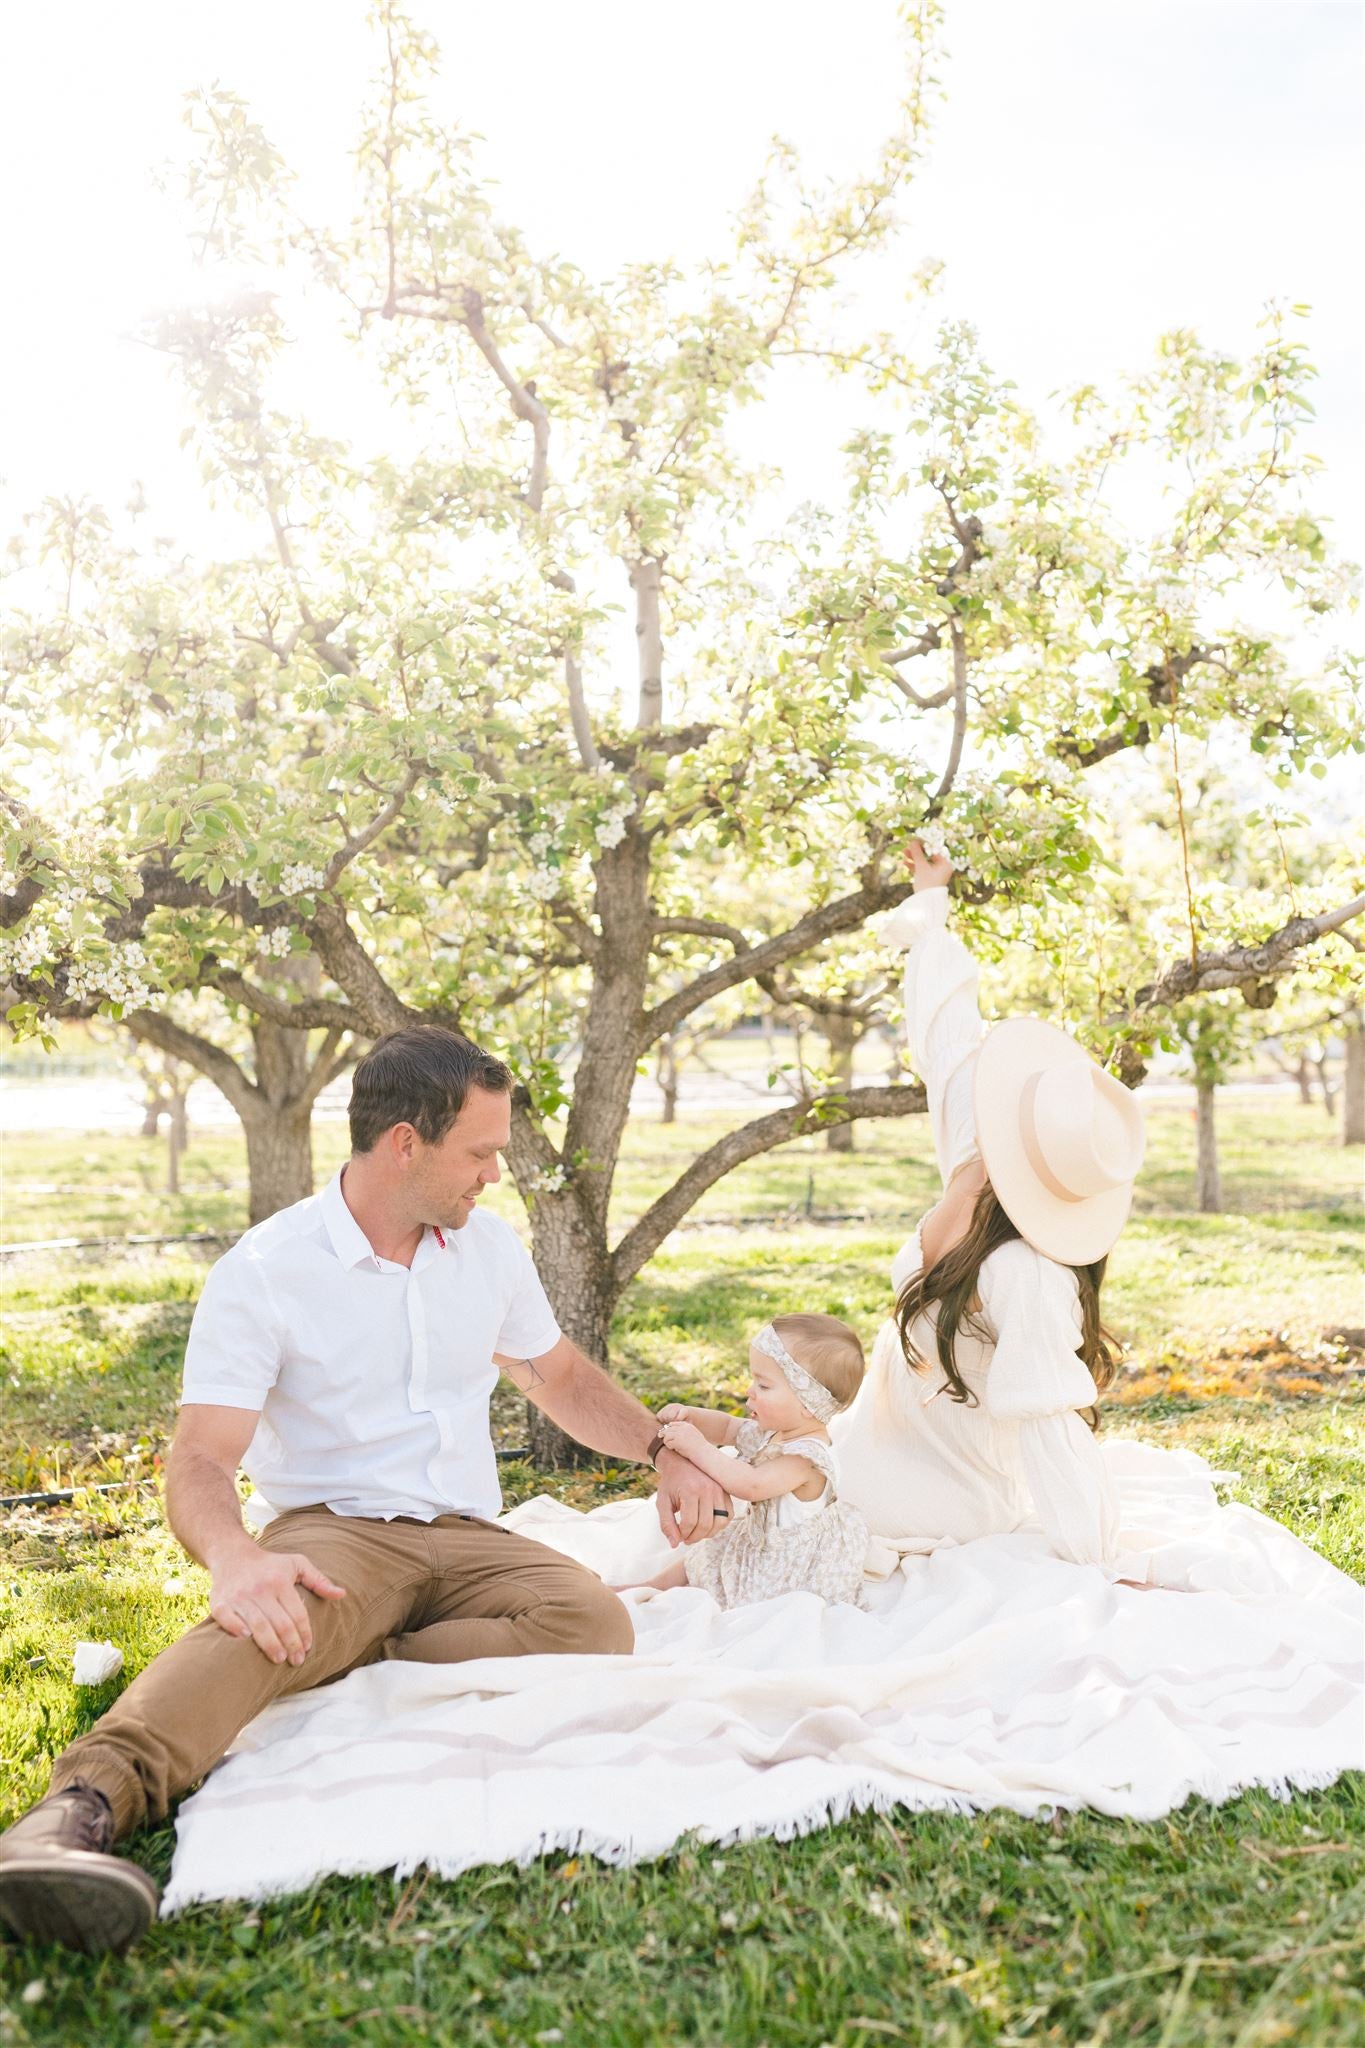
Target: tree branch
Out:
[959,712]
[154,1027]
[378,1008]
[821,1113]
[573,684]
[844,914]
[645,582]
[311,1013]
[859,1009]
[525,404]
[1244,967]
[355,846]
[702,928]
[1162,680]
[682,740]
[327,1064]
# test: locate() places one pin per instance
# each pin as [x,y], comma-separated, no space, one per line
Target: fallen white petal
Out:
[94,1662]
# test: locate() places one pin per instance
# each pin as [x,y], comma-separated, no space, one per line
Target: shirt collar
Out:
[349,1241]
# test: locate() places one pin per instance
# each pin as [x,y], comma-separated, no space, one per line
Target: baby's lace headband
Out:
[815,1399]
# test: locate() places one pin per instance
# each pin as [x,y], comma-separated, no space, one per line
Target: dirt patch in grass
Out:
[1250,1365]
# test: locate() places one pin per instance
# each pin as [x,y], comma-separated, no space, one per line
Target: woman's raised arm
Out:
[942,1022]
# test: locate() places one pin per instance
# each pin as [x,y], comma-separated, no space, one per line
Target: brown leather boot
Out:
[59,1883]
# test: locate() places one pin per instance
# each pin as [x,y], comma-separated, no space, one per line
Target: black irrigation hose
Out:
[91,1244]
[66,1494]
[768,1217]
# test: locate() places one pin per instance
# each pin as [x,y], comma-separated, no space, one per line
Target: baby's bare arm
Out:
[715,1425]
[742,1480]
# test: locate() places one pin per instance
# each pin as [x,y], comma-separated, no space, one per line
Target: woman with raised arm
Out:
[976,1414]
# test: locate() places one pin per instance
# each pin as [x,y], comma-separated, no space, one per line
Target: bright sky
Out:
[1103,169]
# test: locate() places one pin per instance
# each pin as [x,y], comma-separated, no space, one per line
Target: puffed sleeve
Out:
[942,1021]
[1037,1382]
[1033,1308]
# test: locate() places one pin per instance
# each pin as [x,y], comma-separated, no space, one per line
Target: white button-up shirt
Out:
[371,1379]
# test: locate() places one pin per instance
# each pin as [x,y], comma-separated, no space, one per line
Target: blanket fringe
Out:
[866,1797]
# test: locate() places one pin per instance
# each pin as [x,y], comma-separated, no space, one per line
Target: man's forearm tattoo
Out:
[533,1378]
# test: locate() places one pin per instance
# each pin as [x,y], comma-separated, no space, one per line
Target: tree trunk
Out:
[667,1075]
[1353,1084]
[175,1143]
[573,1270]
[180,1121]
[278,1120]
[1210,1189]
[279,1156]
[842,1034]
[1303,1074]
[1329,1093]
[151,1115]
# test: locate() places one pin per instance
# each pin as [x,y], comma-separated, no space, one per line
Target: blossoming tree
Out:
[391,733]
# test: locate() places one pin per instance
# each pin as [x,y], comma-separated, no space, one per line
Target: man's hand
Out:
[690,1505]
[254,1595]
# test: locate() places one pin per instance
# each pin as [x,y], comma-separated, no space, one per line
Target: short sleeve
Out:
[750,1438]
[233,1355]
[815,1453]
[1033,1306]
[528,1328]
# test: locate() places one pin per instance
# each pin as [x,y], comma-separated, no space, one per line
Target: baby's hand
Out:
[683,1437]
[672,1411]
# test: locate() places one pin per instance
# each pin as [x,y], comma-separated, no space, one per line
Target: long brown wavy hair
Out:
[952,1283]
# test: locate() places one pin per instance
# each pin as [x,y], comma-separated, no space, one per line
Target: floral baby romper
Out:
[784,1545]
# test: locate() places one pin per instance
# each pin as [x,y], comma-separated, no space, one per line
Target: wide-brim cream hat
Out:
[1061,1140]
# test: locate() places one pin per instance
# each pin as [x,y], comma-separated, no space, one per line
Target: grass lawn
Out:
[1233,1926]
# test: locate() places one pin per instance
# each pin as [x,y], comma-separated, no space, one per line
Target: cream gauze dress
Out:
[784,1545]
[922,1467]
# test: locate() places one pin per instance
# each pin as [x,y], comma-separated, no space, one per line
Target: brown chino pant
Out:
[431,1592]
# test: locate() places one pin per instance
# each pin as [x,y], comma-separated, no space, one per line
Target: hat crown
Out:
[1081,1130]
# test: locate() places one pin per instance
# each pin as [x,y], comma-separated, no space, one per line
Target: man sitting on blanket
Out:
[343,1353]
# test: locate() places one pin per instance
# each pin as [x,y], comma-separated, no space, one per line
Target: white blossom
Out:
[9,881]
[540,843]
[219,703]
[273,945]
[550,1180]
[30,949]
[544,885]
[298,878]
[116,978]
[611,826]
[932,840]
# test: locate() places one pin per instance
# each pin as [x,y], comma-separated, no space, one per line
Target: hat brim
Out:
[1075,1233]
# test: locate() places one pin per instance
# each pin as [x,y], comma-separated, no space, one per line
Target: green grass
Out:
[1234,1927]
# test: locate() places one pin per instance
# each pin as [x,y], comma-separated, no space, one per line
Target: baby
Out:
[797,1536]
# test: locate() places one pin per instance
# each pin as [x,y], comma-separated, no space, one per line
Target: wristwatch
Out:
[656,1444]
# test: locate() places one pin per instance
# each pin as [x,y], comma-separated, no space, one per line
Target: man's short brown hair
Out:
[421,1076]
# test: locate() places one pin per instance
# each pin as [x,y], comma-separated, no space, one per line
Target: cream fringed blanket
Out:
[985,1674]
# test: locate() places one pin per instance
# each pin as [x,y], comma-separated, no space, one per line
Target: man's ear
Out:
[403,1142]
